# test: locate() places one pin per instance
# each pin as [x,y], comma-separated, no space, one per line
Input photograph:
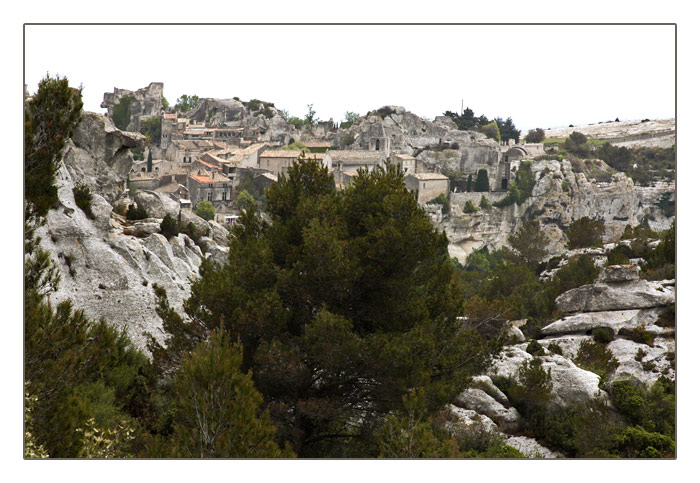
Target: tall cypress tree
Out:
[482,181]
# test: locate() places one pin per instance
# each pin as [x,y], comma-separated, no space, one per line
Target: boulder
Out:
[218,233]
[485,383]
[616,320]
[619,273]
[200,224]
[507,418]
[636,294]
[531,448]
[143,228]
[214,252]
[157,204]
[469,417]
[651,365]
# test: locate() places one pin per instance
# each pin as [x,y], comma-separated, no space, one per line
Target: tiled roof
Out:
[280,153]
[316,144]
[406,157]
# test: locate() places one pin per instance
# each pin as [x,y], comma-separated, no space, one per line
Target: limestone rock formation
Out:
[476,399]
[636,294]
[147,102]
[157,204]
[109,265]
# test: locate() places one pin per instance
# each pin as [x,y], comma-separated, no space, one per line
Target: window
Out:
[209,196]
[223,196]
[376,145]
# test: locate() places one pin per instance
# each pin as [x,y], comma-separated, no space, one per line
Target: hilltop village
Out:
[220,147]
[520,290]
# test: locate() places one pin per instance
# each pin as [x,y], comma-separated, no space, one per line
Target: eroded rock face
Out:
[147,102]
[619,273]
[616,320]
[106,270]
[637,294]
[98,155]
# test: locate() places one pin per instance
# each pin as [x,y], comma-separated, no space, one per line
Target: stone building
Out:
[187,151]
[428,185]
[146,102]
[406,162]
[209,186]
[278,161]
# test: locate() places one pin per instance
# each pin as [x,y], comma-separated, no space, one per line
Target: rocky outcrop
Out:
[475,399]
[147,102]
[157,204]
[636,294]
[109,265]
[98,155]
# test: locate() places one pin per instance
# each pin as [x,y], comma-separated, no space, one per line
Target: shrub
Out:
[491,130]
[82,196]
[525,180]
[512,197]
[603,335]
[535,136]
[385,111]
[470,183]
[585,232]
[579,271]
[534,348]
[205,210]
[667,318]
[532,387]
[482,181]
[619,256]
[642,336]
[566,186]
[442,201]
[121,114]
[555,348]
[168,227]
[484,203]
[136,213]
[469,207]
[596,358]
[245,200]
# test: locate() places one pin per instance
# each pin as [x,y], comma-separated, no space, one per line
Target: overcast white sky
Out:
[541,76]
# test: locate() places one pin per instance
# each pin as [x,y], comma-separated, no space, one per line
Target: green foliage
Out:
[525,180]
[642,336]
[566,186]
[32,449]
[603,335]
[585,232]
[443,202]
[152,128]
[218,411]
[484,203]
[534,348]
[532,387]
[106,443]
[83,197]
[50,118]
[618,256]
[595,357]
[350,119]
[205,210]
[165,102]
[650,407]
[469,207]
[482,181]
[169,227]
[296,122]
[511,198]
[636,442]
[661,262]
[529,243]
[245,200]
[507,129]
[555,348]
[535,135]
[618,158]
[470,183]
[136,213]
[385,111]
[121,114]
[295,146]
[467,121]
[576,144]
[491,130]
[342,288]
[186,103]
[310,118]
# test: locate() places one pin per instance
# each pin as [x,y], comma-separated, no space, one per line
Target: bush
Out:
[512,197]
[555,348]
[585,232]
[642,336]
[168,227]
[82,196]
[136,213]
[492,132]
[525,180]
[484,203]
[578,138]
[596,358]
[603,335]
[535,136]
[579,271]
[245,200]
[534,348]
[442,201]
[619,256]
[205,210]
[121,114]
[469,207]
[482,181]
[532,387]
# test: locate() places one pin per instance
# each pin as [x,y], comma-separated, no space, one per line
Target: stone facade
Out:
[428,185]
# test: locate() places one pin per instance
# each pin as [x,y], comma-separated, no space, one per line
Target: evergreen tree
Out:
[469,183]
[482,181]
[50,118]
[529,243]
[149,162]
[343,304]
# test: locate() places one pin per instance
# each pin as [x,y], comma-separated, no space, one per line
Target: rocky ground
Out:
[611,130]
[618,300]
